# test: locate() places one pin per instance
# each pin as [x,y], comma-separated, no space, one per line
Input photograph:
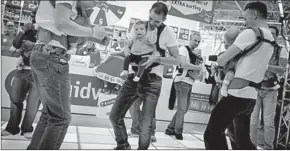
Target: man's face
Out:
[249,17]
[10,29]
[155,20]
[194,41]
[273,31]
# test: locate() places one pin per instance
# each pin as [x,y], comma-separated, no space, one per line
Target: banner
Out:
[183,34]
[175,29]
[201,11]
[107,13]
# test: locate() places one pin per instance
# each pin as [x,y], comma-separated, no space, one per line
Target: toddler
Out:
[229,38]
[140,46]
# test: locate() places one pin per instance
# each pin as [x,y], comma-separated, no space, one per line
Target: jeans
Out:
[135,114]
[148,89]
[267,100]
[21,85]
[230,109]
[51,75]
[183,94]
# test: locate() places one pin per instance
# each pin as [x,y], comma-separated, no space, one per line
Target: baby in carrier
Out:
[229,70]
[140,46]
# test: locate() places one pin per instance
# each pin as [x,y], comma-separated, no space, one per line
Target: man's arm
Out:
[245,38]
[66,25]
[281,68]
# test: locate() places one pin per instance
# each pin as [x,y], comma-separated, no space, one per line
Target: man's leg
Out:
[19,90]
[214,136]
[183,97]
[255,119]
[135,114]
[33,102]
[150,88]
[126,97]
[54,81]
[269,103]
[232,136]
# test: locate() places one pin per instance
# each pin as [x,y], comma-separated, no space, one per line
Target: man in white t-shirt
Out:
[250,71]
[149,87]
[183,86]
[50,69]
[267,97]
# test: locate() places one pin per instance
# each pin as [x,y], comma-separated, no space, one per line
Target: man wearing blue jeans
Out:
[50,68]
[149,86]
[135,113]
[183,87]
[239,104]
[267,98]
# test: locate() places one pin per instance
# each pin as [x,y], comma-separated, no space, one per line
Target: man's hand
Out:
[150,61]
[99,32]
[12,48]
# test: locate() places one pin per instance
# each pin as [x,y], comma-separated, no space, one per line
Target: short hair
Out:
[195,33]
[276,29]
[259,7]
[160,8]
[140,22]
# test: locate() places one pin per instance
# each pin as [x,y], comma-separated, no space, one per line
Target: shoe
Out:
[28,135]
[131,134]
[169,132]
[179,136]
[126,147]
[153,139]
[136,79]
[5,133]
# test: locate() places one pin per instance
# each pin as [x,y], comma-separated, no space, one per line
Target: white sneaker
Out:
[5,133]
[123,73]
[136,79]
[28,135]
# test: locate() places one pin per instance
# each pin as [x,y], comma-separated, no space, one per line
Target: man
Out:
[135,113]
[267,97]
[8,37]
[242,93]
[22,86]
[49,65]
[183,87]
[149,86]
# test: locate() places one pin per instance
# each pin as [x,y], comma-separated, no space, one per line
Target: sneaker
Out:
[179,136]
[153,139]
[126,147]
[28,135]
[169,132]
[5,133]
[131,134]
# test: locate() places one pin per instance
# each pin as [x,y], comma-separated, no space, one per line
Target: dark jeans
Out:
[21,85]
[138,60]
[51,75]
[135,113]
[232,136]
[148,89]
[230,109]
[183,94]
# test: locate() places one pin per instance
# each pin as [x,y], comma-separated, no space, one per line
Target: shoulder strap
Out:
[159,31]
[255,46]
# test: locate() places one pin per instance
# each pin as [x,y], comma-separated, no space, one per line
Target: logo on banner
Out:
[201,11]
[85,90]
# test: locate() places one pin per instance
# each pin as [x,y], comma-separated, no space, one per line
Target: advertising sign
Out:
[107,12]
[175,29]
[201,11]
[183,34]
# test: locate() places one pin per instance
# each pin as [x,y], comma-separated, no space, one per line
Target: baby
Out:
[140,46]
[229,37]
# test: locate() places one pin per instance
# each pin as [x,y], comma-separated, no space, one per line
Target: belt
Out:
[52,50]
